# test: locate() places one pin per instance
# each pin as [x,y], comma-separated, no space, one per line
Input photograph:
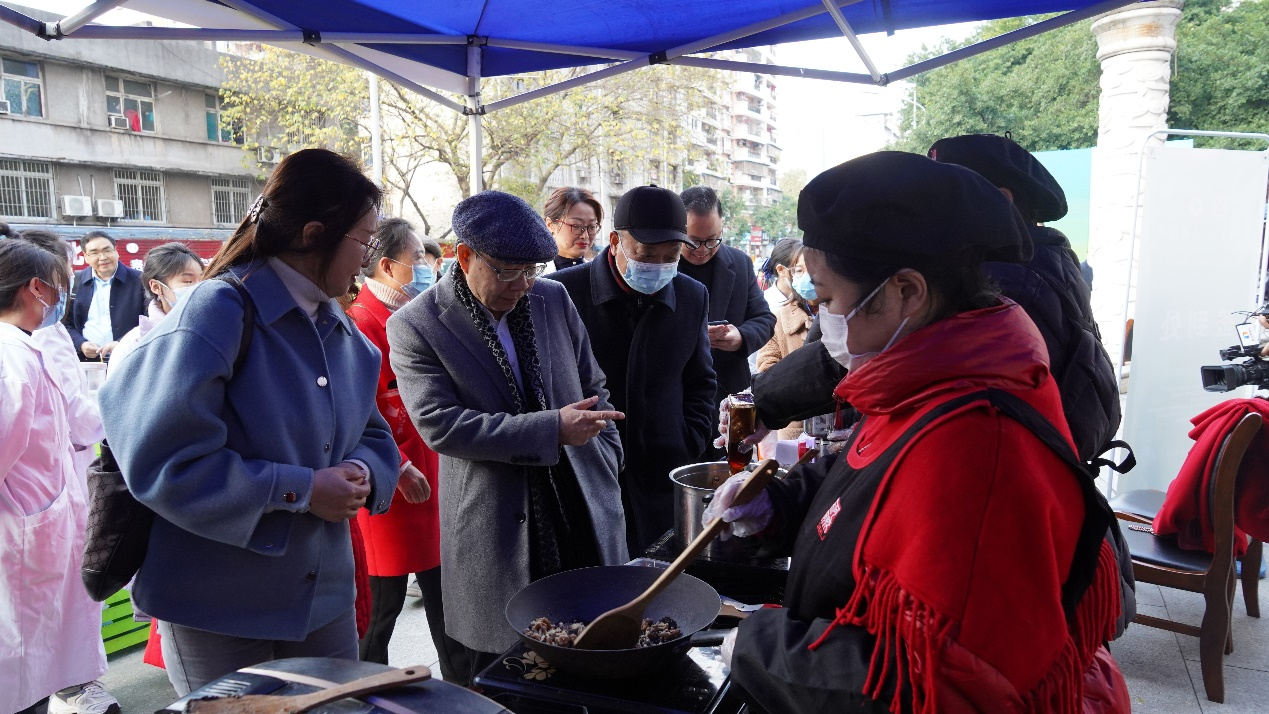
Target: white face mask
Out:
[835,329]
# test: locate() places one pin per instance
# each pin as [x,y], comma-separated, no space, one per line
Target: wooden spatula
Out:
[269,704]
[618,629]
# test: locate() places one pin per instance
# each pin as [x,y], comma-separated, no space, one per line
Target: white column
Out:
[1135,49]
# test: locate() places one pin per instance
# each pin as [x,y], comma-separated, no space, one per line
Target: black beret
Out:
[503,226]
[1004,163]
[896,207]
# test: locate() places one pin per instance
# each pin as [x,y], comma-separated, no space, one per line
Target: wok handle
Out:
[752,486]
[709,638]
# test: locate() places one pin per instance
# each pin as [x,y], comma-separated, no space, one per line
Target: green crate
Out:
[118,630]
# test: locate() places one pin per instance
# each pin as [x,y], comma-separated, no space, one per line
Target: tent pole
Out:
[849,32]
[25,22]
[780,21]
[376,133]
[1008,38]
[475,156]
[71,23]
[781,70]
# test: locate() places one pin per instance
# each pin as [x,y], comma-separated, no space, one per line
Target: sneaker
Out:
[413,590]
[91,698]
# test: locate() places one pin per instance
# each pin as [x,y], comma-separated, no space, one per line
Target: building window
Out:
[131,99]
[22,86]
[230,200]
[26,189]
[217,127]
[141,193]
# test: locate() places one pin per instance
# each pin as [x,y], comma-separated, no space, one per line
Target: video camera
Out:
[1254,370]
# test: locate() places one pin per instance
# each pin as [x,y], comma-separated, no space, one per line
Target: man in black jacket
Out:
[735,300]
[108,299]
[647,331]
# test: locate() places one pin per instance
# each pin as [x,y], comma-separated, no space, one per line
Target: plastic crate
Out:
[118,630]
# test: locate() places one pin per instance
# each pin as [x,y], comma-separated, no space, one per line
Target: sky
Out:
[822,123]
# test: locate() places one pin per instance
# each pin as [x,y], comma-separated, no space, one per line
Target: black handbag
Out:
[118,531]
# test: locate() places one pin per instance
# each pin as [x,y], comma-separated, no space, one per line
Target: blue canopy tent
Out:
[440,48]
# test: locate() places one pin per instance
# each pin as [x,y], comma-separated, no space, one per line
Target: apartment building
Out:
[122,136]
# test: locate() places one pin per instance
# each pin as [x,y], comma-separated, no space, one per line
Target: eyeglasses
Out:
[99,253]
[507,275]
[371,246]
[580,228]
[710,244]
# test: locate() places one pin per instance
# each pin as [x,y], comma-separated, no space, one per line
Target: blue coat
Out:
[227,464]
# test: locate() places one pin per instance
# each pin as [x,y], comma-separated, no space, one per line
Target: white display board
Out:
[1202,221]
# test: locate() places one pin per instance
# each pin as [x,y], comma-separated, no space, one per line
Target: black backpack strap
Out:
[248,318]
[1122,467]
[1098,516]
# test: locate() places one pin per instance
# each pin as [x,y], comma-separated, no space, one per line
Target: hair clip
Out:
[254,215]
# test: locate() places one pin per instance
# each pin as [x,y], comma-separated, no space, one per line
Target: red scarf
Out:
[956,567]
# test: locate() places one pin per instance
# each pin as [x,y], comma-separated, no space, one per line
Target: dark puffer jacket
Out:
[1051,288]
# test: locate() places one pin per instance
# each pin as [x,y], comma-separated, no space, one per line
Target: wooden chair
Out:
[1159,560]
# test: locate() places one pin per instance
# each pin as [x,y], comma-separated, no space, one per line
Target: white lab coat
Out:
[50,631]
[62,362]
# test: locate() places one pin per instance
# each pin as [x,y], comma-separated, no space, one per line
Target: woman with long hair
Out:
[246,420]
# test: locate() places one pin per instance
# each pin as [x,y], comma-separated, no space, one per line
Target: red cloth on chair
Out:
[1187,508]
[361,578]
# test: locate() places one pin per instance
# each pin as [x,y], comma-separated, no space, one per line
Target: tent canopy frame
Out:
[339,46]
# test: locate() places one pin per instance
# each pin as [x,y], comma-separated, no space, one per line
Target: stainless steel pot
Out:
[692,490]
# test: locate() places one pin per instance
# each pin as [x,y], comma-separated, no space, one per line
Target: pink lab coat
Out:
[50,631]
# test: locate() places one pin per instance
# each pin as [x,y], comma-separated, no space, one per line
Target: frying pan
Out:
[587,593]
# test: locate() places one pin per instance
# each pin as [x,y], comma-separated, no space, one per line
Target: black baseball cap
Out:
[652,215]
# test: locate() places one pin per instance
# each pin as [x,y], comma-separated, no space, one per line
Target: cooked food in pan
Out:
[564,634]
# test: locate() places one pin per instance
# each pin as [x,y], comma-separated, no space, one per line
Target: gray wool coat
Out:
[460,401]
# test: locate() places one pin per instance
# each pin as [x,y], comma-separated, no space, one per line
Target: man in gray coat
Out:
[496,371]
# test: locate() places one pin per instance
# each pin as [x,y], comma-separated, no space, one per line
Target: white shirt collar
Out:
[305,292]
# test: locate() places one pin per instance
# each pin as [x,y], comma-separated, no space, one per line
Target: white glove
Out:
[742,521]
[729,646]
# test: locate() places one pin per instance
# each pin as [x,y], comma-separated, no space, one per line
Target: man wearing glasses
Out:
[496,371]
[741,321]
[108,300]
[647,325]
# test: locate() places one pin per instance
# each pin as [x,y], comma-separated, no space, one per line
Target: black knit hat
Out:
[503,226]
[1000,160]
[896,207]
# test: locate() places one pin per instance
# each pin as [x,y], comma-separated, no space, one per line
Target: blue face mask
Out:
[53,313]
[424,278]
[648,278]
[802,284]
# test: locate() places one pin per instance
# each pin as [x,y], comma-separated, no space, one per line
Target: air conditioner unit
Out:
[268,155]
[109,208]
[583,176]
[77,206]
[4,106]
[119,121]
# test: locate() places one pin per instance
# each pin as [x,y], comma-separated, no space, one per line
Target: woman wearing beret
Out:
[951,558]
[496,371]
[255,462]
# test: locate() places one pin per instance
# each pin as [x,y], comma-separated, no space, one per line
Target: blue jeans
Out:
[195,658]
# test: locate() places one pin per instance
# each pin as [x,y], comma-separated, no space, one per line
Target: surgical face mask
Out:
[52,313]
[421,278]
[802,285]
[648,278]
[178,295]
[835,329]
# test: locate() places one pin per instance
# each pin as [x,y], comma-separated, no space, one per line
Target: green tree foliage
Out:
[288,101]
[1044,90]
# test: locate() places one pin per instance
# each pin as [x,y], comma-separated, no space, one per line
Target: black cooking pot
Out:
[587,593]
